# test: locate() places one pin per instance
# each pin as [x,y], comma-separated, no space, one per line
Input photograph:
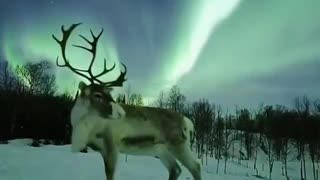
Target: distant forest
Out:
[32,108]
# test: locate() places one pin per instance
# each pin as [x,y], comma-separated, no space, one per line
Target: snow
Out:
[19,161]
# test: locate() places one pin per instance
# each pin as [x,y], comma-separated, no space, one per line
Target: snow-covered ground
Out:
[19,161]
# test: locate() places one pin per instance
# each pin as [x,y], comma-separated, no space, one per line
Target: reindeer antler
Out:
[93,50]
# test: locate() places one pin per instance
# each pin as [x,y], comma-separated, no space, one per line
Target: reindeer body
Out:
[144,131]
[153,125]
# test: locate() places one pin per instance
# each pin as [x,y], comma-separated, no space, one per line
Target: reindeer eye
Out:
[97,95]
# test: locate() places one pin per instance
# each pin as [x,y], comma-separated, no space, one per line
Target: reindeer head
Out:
[94,97]
[98,100]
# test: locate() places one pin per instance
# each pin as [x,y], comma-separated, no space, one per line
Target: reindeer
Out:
[111,128]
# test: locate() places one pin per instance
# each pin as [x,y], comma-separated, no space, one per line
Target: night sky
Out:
[228,51]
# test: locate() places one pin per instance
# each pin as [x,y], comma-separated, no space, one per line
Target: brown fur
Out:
[138,140]
[169,122]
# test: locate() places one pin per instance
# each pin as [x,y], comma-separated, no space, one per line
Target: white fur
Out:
[117,111]
[79,109]
[83,122]
[80,136]
[82,130]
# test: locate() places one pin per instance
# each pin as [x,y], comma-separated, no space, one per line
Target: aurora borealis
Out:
[230,52]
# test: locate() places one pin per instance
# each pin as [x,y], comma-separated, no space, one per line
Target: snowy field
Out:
[19,161]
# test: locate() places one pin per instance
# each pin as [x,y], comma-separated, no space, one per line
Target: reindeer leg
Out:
[110,160]
[175,172]
[184,155]
[172,166]
[110,157]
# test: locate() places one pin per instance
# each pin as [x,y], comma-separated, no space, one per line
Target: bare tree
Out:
[303,112]
[313,139]
[284,155]
[136,99]
[121,98]
[128,94]
[245,125]
[176,100]
[268,136]
[285,135]
[8,80]
[218,137]
[203,116]
[161,100]
[5,75]
[316,105]
[228,140]
[37,77]
[257,137]
[269,143]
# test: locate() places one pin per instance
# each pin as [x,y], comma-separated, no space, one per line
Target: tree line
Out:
[32,108]
[275,129]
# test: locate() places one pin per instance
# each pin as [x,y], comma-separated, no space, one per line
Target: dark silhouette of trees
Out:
[274,129]
[136,99]
[7,78]
[302,106]
[176,100]
[133,99]
[203,115]
[31,107]
[130,97]
[121,98]
[245,124]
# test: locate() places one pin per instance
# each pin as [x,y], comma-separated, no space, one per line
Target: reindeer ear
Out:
[82,85]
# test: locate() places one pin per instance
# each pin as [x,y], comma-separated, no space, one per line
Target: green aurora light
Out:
[36,41]
[193,34]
